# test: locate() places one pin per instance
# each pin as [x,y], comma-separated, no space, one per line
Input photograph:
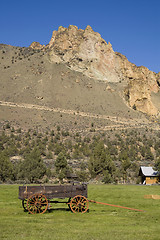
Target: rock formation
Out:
[140,84]
[85,51]
[36,45]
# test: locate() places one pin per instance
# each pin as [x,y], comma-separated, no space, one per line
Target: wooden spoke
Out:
[79,204]
[37,203]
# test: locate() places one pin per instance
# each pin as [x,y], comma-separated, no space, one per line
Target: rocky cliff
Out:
[85,51]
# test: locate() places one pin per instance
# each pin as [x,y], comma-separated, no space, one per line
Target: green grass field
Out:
[101,222]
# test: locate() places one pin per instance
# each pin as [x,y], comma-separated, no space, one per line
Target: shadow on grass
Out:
[58,209]
[61,209]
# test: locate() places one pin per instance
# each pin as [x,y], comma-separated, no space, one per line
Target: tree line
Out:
[113,156]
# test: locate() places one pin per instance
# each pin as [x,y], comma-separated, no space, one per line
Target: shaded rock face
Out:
[85,51]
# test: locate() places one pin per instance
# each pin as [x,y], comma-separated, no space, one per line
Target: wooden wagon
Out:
[37,199]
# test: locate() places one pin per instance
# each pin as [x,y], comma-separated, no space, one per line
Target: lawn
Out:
[100,223]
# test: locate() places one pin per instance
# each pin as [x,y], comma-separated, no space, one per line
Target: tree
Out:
[149,155]
[6,167]
[157,164]
[82,174]
[58,148]
[32,168]
[101,162]
[107,177]
[61,166]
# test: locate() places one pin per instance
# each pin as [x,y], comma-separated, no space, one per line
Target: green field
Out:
[101,222]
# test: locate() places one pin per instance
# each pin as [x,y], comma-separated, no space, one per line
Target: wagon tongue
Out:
[112,205]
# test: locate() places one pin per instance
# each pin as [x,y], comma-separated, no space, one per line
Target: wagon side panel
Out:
[65,191]
[27,191]
[62,191]
[79,190]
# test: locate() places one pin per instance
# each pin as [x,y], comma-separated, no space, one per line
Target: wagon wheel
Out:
[68,203]
[37,203]
[24,204]
[79,204]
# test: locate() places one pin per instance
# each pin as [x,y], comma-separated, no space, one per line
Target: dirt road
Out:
[119,122]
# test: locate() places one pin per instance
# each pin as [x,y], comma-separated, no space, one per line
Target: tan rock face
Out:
[36,45]
[139,97]
[141,83]
[85,51]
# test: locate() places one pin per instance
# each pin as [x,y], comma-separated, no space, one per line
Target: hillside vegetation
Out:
[109,156]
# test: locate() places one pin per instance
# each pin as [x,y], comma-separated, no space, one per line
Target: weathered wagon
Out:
[37,199]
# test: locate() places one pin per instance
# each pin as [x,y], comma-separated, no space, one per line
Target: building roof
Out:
[149,171]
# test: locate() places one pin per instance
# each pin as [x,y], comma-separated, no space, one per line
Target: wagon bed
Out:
[54,191]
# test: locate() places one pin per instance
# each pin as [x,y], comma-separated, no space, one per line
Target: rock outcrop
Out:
[36,45]
[140,84]
[85,51]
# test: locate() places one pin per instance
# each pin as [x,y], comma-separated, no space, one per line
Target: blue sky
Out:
[132,26]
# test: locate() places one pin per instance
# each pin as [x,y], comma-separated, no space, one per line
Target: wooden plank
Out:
[55,191]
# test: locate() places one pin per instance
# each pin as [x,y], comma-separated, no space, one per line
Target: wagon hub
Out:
[37,204]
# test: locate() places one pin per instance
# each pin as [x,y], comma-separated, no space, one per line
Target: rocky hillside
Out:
[85,51]
[77,106]
[75,80]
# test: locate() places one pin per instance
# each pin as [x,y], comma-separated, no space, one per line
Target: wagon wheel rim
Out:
[79,204]
[24,204]
[69,202]
[37,203]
